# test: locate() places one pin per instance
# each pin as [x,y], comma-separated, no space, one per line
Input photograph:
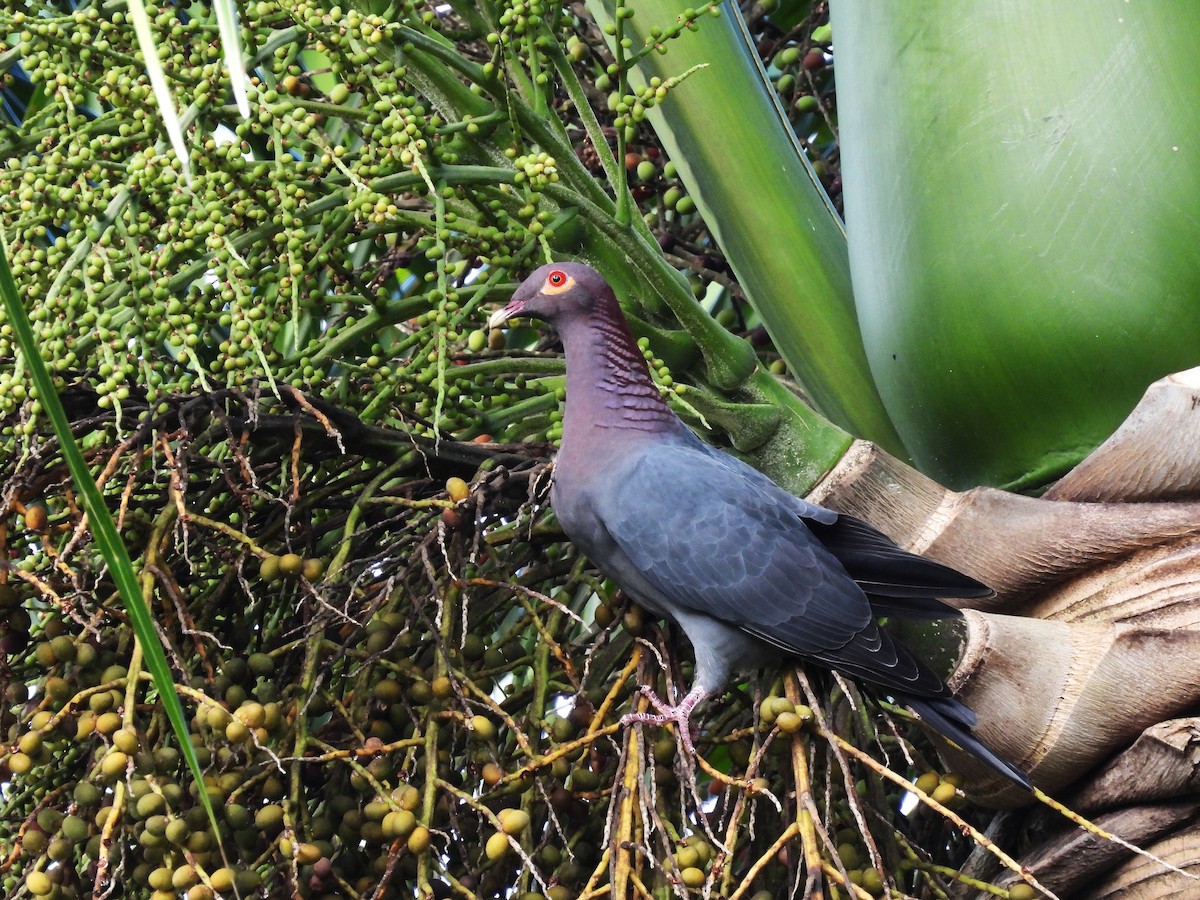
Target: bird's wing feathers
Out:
[881,568]
[884,570]
[713,536]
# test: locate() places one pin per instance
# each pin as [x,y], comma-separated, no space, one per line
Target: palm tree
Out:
[396,674]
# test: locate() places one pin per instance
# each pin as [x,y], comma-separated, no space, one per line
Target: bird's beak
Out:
[502,315]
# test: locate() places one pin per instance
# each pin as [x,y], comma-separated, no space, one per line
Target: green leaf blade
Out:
[1022,231]
[741,163]
[103,529]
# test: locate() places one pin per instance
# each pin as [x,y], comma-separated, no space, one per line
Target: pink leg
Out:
[679,715]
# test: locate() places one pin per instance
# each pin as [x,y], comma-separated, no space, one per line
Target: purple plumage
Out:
[747,570]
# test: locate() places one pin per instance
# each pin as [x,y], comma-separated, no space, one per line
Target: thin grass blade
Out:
[104,530]
[162,89]
[231,46]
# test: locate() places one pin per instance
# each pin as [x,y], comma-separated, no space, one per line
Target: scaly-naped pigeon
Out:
[749,571]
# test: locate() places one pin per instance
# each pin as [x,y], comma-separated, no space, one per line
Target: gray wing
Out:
[713,536]
[895,581]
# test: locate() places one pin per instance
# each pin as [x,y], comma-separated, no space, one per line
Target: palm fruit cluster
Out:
[279,262]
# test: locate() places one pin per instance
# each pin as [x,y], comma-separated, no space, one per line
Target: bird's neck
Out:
[609,389]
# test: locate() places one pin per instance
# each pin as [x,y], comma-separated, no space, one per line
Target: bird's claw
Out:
[679,716]
[665,711]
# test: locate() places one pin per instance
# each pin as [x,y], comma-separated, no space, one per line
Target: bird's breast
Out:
[583,523]
[577,514]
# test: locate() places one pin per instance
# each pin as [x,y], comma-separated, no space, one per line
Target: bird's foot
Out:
[679,715]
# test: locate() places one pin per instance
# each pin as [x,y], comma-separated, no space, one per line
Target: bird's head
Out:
[555,292]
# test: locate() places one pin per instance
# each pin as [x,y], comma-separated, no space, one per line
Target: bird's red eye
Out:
[556,278]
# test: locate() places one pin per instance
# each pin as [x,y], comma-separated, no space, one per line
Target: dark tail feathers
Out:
[954,720]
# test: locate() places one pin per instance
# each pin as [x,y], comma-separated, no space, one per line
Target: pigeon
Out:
[748,571]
